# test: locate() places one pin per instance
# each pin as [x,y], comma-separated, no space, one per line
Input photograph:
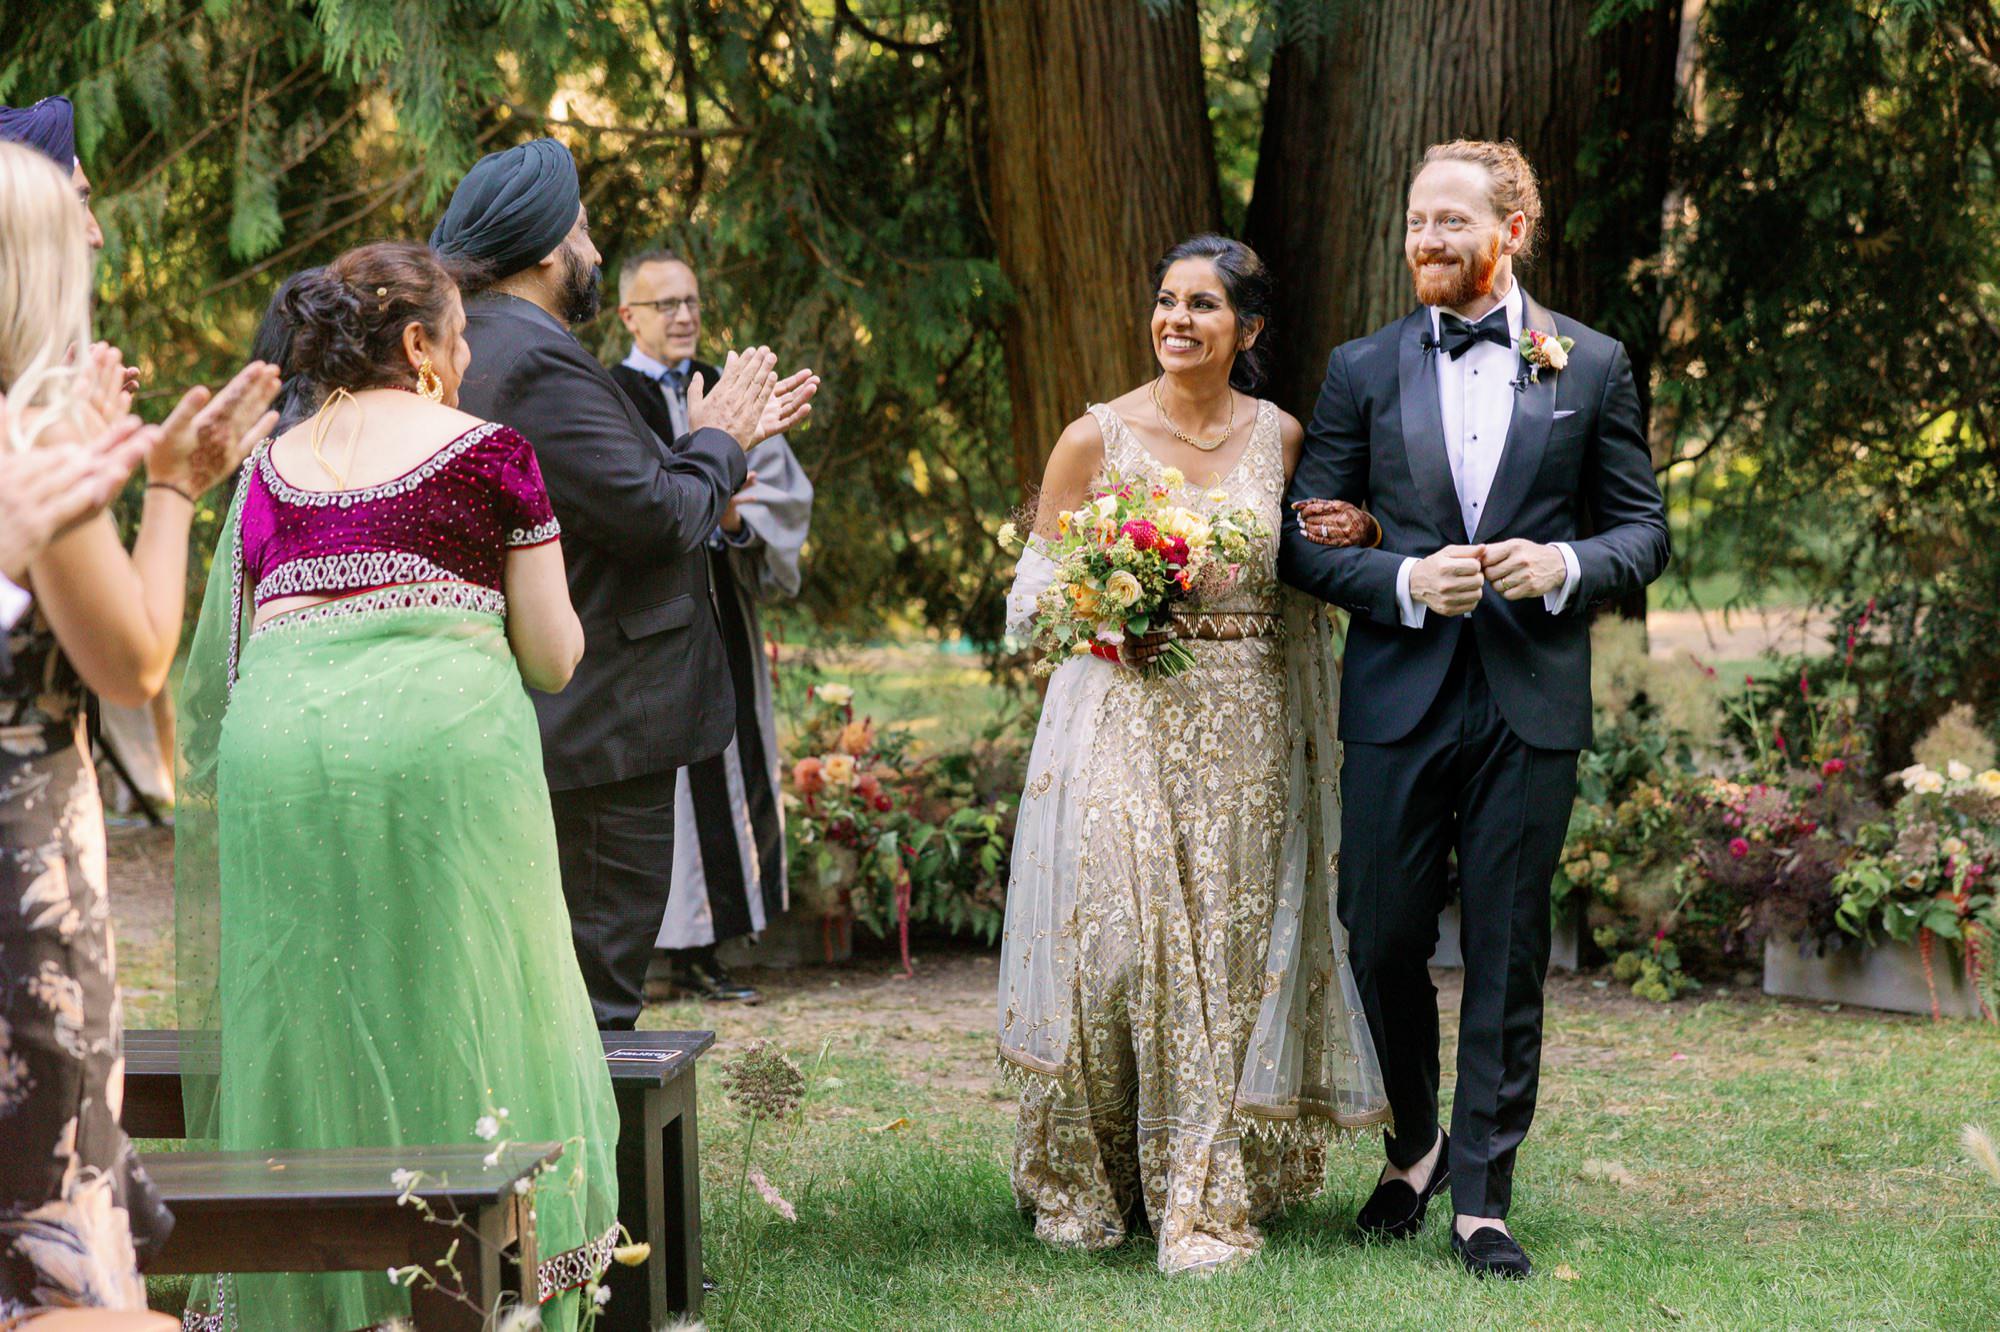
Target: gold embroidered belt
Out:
[1225,626]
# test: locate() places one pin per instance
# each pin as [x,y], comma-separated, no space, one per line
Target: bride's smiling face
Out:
[1194,325]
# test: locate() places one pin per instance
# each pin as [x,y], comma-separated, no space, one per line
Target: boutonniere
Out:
[1544,351]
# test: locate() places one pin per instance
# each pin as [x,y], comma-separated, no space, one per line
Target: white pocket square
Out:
[1560,415]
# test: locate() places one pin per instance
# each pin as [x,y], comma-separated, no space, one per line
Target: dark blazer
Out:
[1377,439]
[651,399]
[652,692]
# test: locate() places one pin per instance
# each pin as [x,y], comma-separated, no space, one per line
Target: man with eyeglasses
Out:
[729,837]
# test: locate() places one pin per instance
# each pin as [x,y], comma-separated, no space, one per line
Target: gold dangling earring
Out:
[429,386]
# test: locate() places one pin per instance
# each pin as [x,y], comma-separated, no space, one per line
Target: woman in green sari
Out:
[370,916]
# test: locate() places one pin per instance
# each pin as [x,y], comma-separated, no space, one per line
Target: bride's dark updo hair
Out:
[1247,284]
[347,319]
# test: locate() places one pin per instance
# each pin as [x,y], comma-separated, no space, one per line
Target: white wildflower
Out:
[487,1129]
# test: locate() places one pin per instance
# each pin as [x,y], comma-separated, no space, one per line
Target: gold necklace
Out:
[1206,446]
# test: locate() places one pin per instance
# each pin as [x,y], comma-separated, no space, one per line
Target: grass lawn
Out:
[1723,1163]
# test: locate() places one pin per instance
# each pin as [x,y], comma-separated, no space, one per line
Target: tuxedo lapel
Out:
[1527,434]
[1423,427]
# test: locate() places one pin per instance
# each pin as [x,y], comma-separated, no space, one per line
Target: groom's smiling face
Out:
[1457,244]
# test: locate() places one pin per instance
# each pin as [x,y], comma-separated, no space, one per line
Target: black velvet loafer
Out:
[1395,1210]
[1492,1252]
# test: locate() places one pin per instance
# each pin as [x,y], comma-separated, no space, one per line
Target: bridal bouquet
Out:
[1126,558]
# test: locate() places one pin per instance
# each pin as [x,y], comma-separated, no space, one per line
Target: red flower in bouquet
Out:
[806,775]
[1144,535]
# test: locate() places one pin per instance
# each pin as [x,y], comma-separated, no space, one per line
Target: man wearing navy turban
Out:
[652,693]
[49,127]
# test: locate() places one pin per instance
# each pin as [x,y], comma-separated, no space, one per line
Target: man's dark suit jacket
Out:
[652,692]
[1377,439]
[651,399]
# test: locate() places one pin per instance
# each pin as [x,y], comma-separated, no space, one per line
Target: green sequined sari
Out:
[370,917]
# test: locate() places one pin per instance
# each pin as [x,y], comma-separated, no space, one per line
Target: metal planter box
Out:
[1565,951]
[1888,975]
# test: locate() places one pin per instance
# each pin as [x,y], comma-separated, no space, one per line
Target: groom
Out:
[1502,449]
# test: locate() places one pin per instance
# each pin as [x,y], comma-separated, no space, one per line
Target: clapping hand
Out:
[103,391]
[208,434]
[1335,523]
[1521,569]
[736,404]
[46,490]
[791,403]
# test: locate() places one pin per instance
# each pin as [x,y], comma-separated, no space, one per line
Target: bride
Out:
[1174,988]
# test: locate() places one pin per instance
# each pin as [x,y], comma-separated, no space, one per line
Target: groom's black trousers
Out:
[1461,780]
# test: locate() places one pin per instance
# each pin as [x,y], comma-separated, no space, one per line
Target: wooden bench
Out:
[658,1161]
[336,1211]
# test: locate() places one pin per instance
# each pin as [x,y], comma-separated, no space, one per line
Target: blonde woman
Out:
[75,1210]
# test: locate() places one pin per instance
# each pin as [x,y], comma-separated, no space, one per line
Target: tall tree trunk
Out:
[1098,158]
[1350,113]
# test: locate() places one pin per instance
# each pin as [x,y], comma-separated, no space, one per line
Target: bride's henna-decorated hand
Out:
[1336,523]
[207,436]
[1141,650]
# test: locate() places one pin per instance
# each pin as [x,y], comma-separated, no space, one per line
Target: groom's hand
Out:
[1451,581]
[1521,569]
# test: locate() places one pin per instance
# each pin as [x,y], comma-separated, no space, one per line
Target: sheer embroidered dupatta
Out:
[203,698]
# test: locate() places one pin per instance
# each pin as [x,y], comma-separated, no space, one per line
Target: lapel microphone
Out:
[1430,344]
[1521,381]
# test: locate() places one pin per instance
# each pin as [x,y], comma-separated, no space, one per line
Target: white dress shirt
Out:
[14,603]
[1476,399]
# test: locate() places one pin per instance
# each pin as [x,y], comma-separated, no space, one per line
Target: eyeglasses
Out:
[669,306]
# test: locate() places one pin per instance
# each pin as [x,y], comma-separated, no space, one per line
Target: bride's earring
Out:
[429,386]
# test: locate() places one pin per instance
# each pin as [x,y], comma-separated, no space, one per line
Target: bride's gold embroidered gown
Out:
[1177,876]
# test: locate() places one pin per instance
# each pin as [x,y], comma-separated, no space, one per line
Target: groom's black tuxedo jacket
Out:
[1377,439]
[652,692]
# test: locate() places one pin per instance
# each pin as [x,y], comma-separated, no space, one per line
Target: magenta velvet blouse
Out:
[451,519]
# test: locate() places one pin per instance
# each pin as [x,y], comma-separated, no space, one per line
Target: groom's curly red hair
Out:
[1514,185]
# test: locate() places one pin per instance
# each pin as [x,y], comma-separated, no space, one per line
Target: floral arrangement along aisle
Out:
[1925,873]
[883,835]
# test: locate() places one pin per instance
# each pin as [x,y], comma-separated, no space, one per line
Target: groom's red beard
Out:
[1456,283]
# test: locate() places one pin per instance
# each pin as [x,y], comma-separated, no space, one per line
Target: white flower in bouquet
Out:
[1008,534]
[838,770]
[1988,782]
[1123,589]
[839,695]
[1957,771]
[1173,478]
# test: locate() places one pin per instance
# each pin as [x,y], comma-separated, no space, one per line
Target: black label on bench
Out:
[656,1056]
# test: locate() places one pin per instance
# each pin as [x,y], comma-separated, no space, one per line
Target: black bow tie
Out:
[1460,335]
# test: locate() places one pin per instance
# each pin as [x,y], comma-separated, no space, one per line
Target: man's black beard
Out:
[582,291]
